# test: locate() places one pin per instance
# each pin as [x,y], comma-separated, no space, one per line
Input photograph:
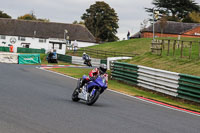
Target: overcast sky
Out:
[130,12]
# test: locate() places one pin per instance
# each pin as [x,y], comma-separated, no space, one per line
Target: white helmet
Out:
[84,53]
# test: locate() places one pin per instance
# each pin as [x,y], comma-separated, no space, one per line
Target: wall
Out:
[150,35]
[195,31]
[34,43]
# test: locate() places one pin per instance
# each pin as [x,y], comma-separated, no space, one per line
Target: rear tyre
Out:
[89,64]
[75,95]
[93,98]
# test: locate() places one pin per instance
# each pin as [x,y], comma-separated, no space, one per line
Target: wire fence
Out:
[101,54]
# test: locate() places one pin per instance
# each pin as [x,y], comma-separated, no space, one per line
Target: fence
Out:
[30,50]
[170,83]
[4,49]
[100,53]
[183,49]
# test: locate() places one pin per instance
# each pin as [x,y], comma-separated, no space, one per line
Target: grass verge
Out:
[128,89]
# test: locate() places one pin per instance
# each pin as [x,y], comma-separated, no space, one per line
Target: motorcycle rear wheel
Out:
[89,64]
[75,95]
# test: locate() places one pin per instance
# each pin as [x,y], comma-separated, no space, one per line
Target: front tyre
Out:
[93,98]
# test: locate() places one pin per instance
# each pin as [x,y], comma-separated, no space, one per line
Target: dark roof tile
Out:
[27,28]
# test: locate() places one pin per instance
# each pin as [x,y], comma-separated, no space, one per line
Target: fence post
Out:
[190,50]
[162,44]
[174,47]
[181,49]
[168,47]
[199,50]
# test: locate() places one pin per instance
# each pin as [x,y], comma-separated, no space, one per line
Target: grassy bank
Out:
[131,90]
[170,63]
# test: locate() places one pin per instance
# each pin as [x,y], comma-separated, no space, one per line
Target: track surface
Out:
[36,101]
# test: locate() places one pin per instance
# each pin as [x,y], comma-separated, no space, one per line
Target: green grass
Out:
[128,89]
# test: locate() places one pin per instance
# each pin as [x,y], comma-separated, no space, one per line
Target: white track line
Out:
[124,94]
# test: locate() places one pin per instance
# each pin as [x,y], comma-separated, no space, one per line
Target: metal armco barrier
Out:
[4,49]
[30,50]
[79,60]
[189,87]
[125,72]
[65,58]
[166,82]
[158,80]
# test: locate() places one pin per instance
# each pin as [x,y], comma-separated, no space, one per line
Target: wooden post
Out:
[174,47]
[168,47]
[190,50]
[181,49]
[163,44]
[162,48]
[199,50]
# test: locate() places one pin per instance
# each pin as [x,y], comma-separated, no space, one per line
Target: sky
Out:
[131,13]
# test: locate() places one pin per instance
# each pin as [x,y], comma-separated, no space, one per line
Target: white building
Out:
[46,35]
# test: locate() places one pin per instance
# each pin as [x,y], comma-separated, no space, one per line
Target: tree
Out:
[195,17]
[27,17]
[102,21]
[31,16]
[80,22]
[175,10]
[4,15]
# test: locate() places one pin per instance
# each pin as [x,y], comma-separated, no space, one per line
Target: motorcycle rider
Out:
[85,57]
[101,70]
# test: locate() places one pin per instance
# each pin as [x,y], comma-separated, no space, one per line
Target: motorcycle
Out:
[87,61]
[90,91]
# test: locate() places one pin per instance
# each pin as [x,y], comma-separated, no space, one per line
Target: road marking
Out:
[138,97]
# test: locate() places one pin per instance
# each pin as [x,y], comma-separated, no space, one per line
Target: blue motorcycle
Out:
[90,91]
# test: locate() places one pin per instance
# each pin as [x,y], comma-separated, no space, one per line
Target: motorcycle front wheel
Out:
[93,98]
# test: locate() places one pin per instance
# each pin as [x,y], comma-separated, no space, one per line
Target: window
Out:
[42,40]
[2,37]
[21,38]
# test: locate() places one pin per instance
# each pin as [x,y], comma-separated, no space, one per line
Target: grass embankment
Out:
[164,62]
[131,90]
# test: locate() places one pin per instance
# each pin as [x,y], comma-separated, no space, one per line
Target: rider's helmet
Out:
[84,53]
[102,68]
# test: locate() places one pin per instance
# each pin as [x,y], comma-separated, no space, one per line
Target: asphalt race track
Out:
[37,101]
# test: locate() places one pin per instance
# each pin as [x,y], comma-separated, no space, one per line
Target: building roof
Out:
[27,28]
[172,27]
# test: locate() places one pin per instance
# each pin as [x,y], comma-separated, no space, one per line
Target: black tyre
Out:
[75,95]
[92,99]
[89,64]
